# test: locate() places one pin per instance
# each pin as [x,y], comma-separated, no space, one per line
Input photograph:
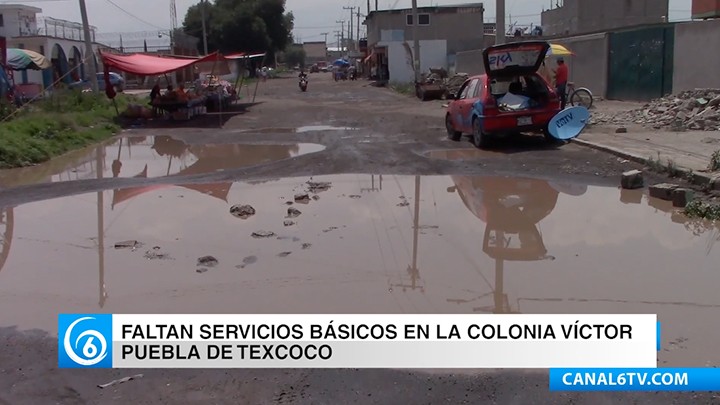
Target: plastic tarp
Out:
[150,65]
[24,59]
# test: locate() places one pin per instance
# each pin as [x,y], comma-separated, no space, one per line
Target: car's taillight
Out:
[489,104]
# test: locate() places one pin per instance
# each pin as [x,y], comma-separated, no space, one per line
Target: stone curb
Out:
[700,179]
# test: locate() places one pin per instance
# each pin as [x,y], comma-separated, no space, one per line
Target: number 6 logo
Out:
[90,350]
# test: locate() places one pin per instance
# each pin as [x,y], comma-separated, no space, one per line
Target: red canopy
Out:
[149,65]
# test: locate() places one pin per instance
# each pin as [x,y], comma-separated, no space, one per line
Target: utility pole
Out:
[342,35]
[416,41]
[89,53]
[352,14]
[325,34]
[337,36]
[376,5]
[358,29]
[204,31]
[499,22]
[368,7]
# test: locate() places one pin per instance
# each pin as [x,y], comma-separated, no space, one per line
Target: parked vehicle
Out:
[115,79]
[510,97]
[314,69]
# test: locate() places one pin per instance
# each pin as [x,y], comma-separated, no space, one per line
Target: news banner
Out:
[583,352]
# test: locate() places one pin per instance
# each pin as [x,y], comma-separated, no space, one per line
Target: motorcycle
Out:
[303,84]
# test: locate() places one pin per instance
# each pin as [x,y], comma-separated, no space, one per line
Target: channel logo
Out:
[85,341]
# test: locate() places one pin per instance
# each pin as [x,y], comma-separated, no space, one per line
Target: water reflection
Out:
[157,156]
[511,209]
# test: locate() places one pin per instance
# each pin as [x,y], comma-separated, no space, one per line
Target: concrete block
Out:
[682,196]
[632,180]
[715,183]
[663,191]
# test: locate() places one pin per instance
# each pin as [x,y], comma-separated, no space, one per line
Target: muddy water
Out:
[148,157]
[481,245]
[303,129]
[466,154]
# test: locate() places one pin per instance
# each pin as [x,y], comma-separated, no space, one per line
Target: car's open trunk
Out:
[519,93]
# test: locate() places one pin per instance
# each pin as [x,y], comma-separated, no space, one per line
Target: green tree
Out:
[242,25]
[294,56]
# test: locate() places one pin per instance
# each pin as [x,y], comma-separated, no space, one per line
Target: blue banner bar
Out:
[635,379]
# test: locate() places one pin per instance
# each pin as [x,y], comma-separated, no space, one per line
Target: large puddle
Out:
[157,156]
[368,245]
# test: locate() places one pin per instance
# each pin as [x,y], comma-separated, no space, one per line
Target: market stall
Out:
[246,62]
[18,60]
[174,103]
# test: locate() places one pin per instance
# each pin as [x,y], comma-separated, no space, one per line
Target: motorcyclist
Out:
[302,75]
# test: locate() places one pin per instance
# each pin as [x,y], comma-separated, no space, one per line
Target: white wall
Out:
[11,26]
[433,54]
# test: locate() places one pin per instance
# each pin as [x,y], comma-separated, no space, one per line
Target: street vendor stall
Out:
[243,61]
[175,103]
[19,60]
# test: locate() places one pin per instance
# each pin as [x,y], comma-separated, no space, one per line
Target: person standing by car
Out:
[561,80]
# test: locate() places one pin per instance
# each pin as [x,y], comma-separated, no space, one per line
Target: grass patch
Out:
[407,89]
[47,128]
[701,209]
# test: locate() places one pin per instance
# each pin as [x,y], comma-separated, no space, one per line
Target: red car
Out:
[510,97]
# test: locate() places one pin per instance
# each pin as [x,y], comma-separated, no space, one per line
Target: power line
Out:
[133,15]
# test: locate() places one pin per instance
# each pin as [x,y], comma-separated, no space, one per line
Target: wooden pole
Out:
[257,83]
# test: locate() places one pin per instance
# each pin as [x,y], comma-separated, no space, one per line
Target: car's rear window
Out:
[530,83]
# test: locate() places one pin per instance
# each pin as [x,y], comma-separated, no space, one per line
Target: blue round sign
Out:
[569,123]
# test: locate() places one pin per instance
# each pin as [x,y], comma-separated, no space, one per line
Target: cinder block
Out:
[663,191]
[632,180]
[682,196]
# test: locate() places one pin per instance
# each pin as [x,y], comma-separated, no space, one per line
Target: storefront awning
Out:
[150,65]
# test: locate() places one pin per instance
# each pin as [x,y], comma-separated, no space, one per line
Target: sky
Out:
[140,19]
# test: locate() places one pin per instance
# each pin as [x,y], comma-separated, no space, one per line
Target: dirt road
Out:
[592,248]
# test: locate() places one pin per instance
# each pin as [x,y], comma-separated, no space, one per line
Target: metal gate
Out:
[641,63]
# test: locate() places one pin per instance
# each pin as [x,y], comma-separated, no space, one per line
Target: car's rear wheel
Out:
[452,133]
[480,140]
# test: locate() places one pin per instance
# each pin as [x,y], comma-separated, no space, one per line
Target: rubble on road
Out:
[690,110]
[207,261]
[302,198]
[318,186]
[293,213]
[128,244]
[242,211]
[263,234]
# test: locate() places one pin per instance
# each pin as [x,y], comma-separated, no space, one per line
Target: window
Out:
[42,50]
[468,91]
[424,19]
[472,88]
[2,22]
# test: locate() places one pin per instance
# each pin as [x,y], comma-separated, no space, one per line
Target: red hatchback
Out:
[510,97]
